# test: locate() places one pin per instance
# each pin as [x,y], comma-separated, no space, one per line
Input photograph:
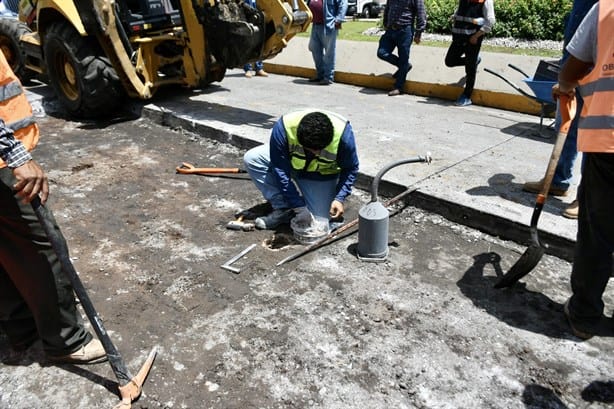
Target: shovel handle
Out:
[567,108]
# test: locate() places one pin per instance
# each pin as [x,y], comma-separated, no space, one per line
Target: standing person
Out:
[404,20]
[308,168]
[257,68]
[590,67]
[470,22]
[563,175]
[36,298]
[327,18]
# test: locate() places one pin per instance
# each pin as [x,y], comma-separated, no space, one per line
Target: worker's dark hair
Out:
[315,130]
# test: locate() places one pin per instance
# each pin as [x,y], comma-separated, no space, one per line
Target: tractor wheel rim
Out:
[68,80]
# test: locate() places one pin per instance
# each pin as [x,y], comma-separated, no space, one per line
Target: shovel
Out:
[535,251]
[129,386]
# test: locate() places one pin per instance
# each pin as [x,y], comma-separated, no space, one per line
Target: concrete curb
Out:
[493,99]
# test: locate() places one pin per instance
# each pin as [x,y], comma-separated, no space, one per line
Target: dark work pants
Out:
[463,53]
[593,263]
[36,298]
[401,40]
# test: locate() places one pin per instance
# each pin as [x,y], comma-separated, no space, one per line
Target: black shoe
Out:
[574,327]
[326,82]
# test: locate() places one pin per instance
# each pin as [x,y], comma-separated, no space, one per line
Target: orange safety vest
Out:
[15,110]
[595,130]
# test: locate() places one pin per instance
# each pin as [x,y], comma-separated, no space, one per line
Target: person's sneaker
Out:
[262,73]
[571,211]
[574,329]
[536,187]
[90,353]
[274,219]
[326,82]
[463,101]
[248,74]
[394,93]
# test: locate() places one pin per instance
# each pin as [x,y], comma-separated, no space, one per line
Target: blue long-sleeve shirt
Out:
[347,159]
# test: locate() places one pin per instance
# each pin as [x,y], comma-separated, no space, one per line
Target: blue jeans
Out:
[564,168]
[318,194]
[322,44]
[401,39]
[257,66]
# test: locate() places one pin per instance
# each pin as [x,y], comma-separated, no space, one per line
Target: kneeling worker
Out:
[307,169]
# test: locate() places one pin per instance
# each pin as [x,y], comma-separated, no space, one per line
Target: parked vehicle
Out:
[365,8]
[95,52]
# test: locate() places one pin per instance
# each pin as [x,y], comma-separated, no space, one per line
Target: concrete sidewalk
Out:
[481,155]
[357,64]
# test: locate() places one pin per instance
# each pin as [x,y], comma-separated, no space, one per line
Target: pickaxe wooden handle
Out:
[187,168]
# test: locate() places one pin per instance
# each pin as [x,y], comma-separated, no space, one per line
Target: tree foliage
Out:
[522,19]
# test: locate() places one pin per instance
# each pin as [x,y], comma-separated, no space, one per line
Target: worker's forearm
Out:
[571,72]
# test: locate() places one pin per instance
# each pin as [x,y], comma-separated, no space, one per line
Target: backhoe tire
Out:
[11,31]
[83,78]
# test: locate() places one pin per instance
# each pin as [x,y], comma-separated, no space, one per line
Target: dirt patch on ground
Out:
[424,329]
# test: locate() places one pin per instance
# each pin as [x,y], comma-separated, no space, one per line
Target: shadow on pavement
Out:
[517,306]
[537,396]
[599,391]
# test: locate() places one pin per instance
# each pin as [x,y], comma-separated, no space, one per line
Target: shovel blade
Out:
[522,267]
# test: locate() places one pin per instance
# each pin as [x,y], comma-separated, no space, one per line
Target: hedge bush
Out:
[521,19]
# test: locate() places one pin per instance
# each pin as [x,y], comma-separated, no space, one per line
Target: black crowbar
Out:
[129,386]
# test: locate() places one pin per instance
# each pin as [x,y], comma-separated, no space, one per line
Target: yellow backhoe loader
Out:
[95,52]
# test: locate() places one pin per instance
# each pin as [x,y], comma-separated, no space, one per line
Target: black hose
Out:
[375,183]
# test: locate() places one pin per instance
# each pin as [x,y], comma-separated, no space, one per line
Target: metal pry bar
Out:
[227,265]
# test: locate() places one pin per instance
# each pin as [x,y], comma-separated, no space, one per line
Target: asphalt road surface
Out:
[424,329]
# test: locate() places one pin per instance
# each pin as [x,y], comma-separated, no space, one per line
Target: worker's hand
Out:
[563,89]
[303,216]
[338,25]
[31,181]
[474,38]
[417,38]
[336,209]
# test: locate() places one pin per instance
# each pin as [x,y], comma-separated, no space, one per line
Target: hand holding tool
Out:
[187,168]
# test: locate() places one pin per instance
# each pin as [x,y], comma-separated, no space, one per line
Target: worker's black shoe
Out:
[274,219]
[578,332]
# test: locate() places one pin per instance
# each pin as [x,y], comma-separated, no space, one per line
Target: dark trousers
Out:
[593,263]
[463,53]
[401,40]
[36,298]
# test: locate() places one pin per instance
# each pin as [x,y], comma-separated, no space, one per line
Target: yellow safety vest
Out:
[595,127]
[15,110]
[326,162]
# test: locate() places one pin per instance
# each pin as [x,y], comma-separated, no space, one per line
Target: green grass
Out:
[352,30]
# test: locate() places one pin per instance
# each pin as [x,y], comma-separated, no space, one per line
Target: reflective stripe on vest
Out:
[596,124]
[469,17]
[15,109]
[325,162]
